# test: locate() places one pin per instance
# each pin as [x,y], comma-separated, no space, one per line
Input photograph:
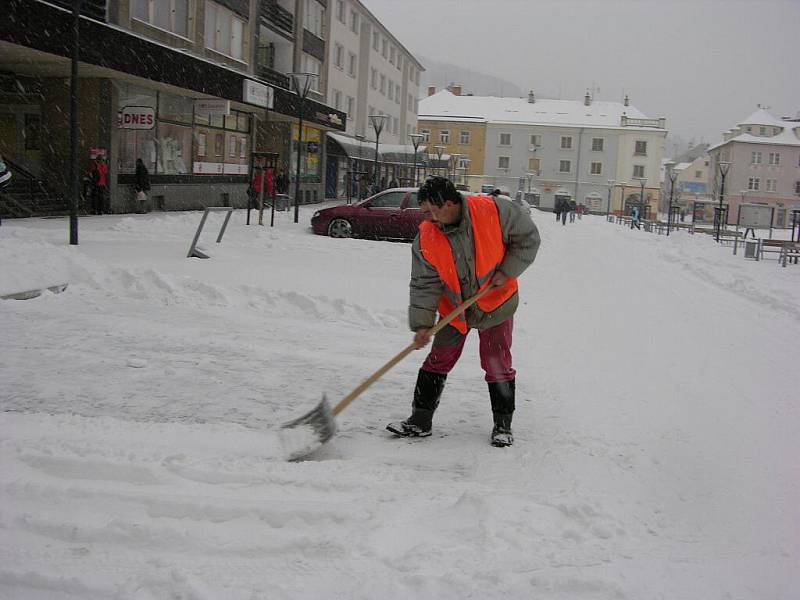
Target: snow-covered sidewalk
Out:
[656,427]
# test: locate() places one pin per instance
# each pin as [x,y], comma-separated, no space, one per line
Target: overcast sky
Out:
[702,64]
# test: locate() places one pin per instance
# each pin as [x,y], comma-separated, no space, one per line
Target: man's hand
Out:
[499,279]
[421,338]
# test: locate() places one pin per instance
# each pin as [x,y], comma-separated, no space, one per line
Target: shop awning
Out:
[365,150]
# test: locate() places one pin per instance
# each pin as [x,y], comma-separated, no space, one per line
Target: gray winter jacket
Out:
[521,238]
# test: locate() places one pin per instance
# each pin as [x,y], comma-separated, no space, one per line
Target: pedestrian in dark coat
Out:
[141,186]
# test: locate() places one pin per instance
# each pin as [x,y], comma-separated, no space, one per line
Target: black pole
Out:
[377,137]
[723,172]
[301,101]
[73,126]
[608,204]
[672,178]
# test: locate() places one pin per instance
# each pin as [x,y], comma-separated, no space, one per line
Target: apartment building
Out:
[191,87]
[582,150]
[370,72]
[761,158]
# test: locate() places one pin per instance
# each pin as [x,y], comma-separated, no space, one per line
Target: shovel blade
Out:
[306,434]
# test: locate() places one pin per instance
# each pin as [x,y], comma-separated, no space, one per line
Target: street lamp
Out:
[642,183]
[608,203]
[416,140]
[302,85]
[724,167]
[73,126]
[622,199]
[673,175]
[466,163]
[439,151]
[454,160]
[378,122]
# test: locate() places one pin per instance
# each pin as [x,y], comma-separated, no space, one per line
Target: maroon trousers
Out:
[495,351]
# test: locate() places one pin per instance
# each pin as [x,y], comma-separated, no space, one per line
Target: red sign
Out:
[136,117]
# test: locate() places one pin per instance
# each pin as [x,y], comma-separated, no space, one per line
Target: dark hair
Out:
[495,192]
[438,190]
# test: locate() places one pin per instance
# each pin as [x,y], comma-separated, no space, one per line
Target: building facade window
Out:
[444,136]
[597,144]
[797,187]
[754,183]
[384,47]
[224,31]
[565,166]
[503,162]
[772,185]
[376,40]
[774,158]
[464,138]
[383,84]
[336,99]
[395,124]
[641,148]
[392,53]
[566,142]
[314,19]
[391,90]
[373,79]
[355,19]
[426,135]
[351,104]
[638,171]
[338,56]
[762,131]
[341,12]
[755,158]
[312,65]
[533,165]
[536,140]
[169,15]
[352,64]
[505,139]
[596,168]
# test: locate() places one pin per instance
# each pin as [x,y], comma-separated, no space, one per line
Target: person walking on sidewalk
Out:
[465,245]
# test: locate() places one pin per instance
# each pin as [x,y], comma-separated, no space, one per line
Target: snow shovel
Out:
[308,433]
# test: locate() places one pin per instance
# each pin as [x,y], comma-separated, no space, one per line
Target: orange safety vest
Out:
[489,253]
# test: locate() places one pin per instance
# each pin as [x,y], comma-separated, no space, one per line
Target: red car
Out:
[391,214]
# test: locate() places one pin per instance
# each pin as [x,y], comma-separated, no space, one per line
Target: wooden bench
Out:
[727,235]
[790,252]
[770,245]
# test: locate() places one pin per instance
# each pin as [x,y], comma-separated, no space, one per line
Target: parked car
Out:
[391,214]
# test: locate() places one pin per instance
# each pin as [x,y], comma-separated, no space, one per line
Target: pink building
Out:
[763,156]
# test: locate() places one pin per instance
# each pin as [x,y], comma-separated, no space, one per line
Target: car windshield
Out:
[388,200]
[413,201]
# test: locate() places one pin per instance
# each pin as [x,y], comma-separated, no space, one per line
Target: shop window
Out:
[175,108]
[174,147]
[33,128]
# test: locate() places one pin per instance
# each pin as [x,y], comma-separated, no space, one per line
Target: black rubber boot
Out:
[502,396]
[426,398]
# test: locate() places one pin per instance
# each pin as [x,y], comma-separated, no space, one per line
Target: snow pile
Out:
[141,455]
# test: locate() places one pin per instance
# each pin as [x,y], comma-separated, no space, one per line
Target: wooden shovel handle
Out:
[442,323]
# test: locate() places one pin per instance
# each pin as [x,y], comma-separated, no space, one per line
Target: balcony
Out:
[272,76]
[659,123]
[277,17]
[94,9]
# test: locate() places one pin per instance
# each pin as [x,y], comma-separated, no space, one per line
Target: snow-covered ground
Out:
[657,425]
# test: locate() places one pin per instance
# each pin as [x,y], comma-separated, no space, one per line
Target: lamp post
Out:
[454,160]
[377,122]
[642,183]
[466,163]
[608,203]
[302,85]
[73,126]
[439,152]
[673,175]
[622,199]
[416,140]
[724,167]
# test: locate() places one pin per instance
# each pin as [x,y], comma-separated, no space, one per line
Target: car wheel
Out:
[340,228]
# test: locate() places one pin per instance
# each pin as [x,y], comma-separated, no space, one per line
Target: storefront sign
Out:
[137,117]
[212,106]
[328,118]
[258,94]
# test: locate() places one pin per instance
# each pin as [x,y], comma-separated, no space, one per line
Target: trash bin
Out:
[750,248]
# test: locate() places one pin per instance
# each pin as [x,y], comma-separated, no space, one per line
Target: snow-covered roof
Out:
[762,117]
[787,137]
[445,106]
